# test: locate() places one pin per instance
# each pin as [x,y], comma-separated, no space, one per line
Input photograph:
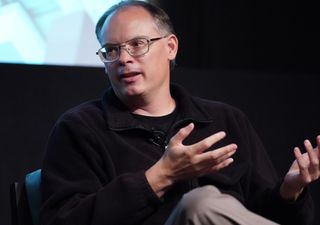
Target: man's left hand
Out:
[303,171]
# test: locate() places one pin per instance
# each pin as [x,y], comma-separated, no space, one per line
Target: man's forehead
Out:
[130,15]
[127,23]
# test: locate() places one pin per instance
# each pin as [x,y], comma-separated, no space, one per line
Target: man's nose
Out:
[124,55]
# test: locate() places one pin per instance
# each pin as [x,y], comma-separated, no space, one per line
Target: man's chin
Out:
[132,92]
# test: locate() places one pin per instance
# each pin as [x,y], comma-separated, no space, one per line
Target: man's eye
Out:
[137,43]
[110,50]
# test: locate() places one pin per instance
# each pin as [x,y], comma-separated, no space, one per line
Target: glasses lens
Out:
[109,53]
[137,46]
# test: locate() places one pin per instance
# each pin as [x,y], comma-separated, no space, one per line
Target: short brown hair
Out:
[160,17]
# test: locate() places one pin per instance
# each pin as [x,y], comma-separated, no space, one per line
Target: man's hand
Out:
[304,170]
[182,162]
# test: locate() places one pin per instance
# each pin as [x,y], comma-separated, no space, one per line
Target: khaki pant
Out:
[208,206]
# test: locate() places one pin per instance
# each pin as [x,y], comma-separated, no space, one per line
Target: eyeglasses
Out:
[135,47]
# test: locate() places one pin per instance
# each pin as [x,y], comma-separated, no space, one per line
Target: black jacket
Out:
[93,171]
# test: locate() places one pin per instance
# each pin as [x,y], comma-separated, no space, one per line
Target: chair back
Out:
[26,200]
[32,183]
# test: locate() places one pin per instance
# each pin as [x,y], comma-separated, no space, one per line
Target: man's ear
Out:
[173,46]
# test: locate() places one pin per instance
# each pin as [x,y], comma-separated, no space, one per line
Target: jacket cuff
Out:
[151,196]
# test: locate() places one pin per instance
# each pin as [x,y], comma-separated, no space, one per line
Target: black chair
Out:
[26,200]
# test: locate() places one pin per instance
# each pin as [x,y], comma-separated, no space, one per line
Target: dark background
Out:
[261,56]
[247,34]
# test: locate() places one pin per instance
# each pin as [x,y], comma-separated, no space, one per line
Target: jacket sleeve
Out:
[264,194]
[80,187]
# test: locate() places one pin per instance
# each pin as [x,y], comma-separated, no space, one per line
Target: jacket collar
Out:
[118,116]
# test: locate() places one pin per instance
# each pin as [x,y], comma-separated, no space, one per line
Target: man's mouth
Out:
[129,74]
[130,77]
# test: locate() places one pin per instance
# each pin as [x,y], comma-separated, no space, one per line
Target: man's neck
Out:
[156,108]
[156,105]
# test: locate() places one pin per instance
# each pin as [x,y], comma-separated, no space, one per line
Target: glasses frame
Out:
[124,44]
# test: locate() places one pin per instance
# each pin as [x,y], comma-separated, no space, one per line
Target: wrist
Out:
[288,193]
[158,179]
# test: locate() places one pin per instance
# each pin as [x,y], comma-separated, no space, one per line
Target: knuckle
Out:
[214,158]
[206,144]
[188,155]
[303,167]
[308,180]
[193,161]
[316,163]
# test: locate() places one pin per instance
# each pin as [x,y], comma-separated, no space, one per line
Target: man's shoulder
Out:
[86,111]
[222,113]
[216,106]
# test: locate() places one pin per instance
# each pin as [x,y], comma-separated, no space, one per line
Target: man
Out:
[149,153]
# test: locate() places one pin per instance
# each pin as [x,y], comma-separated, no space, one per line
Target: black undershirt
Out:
[157,122]
[158,126]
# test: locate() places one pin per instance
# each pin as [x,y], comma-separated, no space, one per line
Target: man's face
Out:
[132,76]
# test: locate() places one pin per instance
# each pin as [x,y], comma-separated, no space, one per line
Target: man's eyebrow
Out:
[117,44]
[110,44]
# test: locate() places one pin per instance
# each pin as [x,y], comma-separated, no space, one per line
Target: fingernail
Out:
[306,141]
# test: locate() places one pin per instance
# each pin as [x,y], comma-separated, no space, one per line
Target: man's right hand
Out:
[182,162]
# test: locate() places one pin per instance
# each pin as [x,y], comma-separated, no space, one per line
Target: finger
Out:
[309,149]
[209,168]
[218,155]
[318,146]
[222,165]
[206,143]
[303,166]
[206,161]
[182,134]
[314,160]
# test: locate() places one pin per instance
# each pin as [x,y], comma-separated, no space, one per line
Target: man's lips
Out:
[129,74]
